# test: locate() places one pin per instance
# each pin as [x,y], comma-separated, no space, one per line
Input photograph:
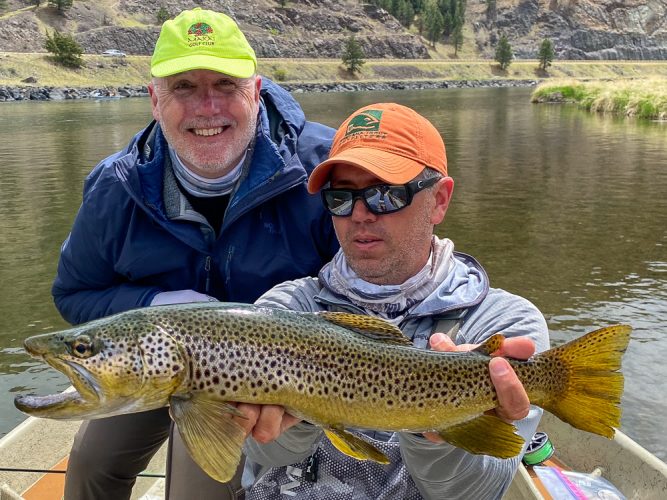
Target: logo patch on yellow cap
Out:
[200,34]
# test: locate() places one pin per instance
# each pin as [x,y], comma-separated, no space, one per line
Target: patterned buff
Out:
[203,187]
[390,302]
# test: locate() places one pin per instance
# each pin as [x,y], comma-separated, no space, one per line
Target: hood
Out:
[465,286]
[275,164]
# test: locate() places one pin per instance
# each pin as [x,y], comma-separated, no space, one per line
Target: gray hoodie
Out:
[303,464]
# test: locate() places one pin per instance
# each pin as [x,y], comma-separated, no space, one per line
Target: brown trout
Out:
[335,370]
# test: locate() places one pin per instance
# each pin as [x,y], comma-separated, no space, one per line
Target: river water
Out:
[565,208]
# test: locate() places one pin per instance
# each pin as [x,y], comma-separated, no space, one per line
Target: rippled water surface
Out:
[565,208]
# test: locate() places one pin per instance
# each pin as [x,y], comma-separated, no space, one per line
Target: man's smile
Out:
[207,132]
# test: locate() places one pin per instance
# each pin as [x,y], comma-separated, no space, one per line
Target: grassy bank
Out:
[135,70]
[641,98]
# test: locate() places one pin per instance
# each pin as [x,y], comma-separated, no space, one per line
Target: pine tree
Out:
[353,55]
[434,23]
[64,48]
[491,10]
[417,6]
[457,39]
[504,53]
[545,54]
[61,5]
[404,12]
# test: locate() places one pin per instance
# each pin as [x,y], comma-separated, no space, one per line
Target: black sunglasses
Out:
[379,199]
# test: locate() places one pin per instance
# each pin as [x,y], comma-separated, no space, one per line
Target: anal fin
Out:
[354,446]
[485,435]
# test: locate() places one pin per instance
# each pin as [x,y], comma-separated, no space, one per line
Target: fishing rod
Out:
[58,471]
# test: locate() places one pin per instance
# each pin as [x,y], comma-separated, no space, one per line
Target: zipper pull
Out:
[207,268]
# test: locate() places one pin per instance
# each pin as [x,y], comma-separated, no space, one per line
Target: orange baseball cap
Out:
[390,141]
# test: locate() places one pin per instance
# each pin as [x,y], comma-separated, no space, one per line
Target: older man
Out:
[207,202]
[386,187]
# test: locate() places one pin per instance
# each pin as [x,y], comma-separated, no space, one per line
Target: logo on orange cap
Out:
[368,121]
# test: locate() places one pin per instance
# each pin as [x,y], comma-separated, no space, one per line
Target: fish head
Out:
[121,364]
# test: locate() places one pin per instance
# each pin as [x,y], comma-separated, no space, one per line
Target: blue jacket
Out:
[123,248]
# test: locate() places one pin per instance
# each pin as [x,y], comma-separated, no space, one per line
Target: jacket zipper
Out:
[207,268]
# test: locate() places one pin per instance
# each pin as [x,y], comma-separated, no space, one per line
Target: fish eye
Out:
[82,347]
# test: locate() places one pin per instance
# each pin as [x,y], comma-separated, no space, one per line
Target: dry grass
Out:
[135,70]
[318,71]
[99,71]
[641,98]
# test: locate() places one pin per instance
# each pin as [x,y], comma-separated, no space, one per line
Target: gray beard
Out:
[228,158]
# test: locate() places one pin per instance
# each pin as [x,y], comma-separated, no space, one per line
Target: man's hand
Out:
[264,422]
[513,402]
[180,297]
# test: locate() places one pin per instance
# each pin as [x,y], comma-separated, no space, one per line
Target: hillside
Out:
[580,29]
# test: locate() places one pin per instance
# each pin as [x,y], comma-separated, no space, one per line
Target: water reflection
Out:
[563,207]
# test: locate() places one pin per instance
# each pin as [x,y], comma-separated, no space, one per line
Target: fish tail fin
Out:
[590,395]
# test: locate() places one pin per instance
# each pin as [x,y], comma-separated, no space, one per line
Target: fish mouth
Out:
[75,402]
[50,406]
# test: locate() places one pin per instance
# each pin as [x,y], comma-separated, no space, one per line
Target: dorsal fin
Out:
[368,326]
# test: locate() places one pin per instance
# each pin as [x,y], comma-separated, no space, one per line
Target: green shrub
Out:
[280,74]
[162,15]
[621,100]
[647,109]
[64,48]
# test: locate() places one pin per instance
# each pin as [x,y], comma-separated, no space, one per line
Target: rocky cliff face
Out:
[580,29]
[304,28]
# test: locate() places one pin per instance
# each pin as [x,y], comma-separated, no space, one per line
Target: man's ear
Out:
[153,93]
[443,194]
[258,87]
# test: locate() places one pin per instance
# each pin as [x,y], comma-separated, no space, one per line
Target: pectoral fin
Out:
[485,435]
[354,446]
[213,439]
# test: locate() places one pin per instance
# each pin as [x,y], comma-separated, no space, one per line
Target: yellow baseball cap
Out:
[202,39]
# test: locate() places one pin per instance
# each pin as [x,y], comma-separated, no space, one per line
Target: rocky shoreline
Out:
[48,93]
